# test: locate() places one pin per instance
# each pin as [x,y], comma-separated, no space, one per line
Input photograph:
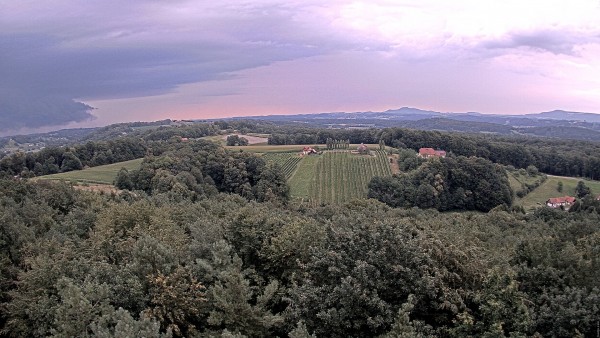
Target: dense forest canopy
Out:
[453,183]
[76,263]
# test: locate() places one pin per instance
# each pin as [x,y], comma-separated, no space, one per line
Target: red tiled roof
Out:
[426,151]
[431,152]
[559,200]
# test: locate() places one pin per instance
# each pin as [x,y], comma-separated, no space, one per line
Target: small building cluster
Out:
[308,150]
[557,202]
[362,149]
[430,152]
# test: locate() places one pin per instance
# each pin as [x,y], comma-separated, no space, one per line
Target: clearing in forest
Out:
[549,189]
[104,174]
[337,176]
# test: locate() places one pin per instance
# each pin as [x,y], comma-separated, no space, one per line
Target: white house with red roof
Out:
[557,202]
[308,150]
[430,152]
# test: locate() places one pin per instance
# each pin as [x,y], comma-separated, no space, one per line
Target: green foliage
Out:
[123,180]
[454,183]
[121,324]
[75,263]
[408,160]
[192,172]
[176,301]
[236,140]
[70,162]
[581,190]
[287,161]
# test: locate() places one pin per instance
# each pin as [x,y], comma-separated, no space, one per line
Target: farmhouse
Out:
[558,202]
[308,151]
[362,149]
[430,152]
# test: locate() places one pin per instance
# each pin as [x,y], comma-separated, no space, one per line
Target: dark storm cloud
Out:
[98,52]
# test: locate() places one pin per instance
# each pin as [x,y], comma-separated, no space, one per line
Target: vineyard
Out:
[287,161]
[341,176]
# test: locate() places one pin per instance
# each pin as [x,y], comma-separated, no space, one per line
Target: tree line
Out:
[550,156]
[105,146]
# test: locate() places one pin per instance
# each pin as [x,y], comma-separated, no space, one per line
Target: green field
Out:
[302,179]
[337,176]
[517,179]
[287,161]
[104,174]
[548,190]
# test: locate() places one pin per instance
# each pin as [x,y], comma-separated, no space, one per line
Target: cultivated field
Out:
[104,174]
[337,176]
[302,179]
[287,161]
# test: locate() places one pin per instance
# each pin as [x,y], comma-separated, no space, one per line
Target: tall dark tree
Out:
[582,190]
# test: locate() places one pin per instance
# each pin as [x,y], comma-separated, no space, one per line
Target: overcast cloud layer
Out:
[145,60]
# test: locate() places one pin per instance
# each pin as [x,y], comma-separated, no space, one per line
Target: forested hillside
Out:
[202,241]
[457,183]
[76,263]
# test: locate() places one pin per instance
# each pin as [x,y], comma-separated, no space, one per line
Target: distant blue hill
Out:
[567,115]
[557,123]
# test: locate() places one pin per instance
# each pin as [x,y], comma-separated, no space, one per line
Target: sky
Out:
[71,63]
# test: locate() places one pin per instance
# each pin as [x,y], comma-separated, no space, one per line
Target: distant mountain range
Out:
[556,123]
[412,114]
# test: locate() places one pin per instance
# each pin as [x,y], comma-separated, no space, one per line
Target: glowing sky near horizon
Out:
[149,60]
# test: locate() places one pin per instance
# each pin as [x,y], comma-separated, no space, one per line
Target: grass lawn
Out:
[514,183]
[104,174]
[253,138]
[548,190]
[301,179]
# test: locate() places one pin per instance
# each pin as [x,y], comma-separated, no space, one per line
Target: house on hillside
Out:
[362,149]
[308,151]
[557,202]
[430,152]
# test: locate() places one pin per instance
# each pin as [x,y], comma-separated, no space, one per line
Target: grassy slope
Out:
[548,189]
[301,179]
[336,177]
[514,183]
[104,174]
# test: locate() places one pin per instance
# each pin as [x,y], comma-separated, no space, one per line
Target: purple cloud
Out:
[553,41]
